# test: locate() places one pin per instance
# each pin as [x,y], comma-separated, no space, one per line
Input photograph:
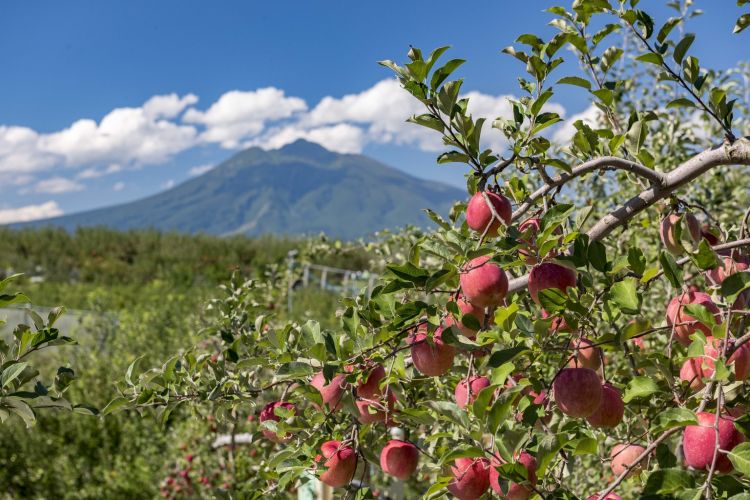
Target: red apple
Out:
[340,464]
[332,392]
[550,275]
[483,283]
[727,267]
[466,393]
[269,413]
[611,409]
[577,391]
[466,308]
[692,372]
[624,455]
[584,354]
[374,410]
[711,352]
[699,442]
[399,459]
[515,491]
[741,360]
[691,230]
[685,325]
[479,215]
[369,388]
[471,478]
[558,323]
[431,357]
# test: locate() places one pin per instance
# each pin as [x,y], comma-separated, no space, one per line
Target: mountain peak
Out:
[303,147]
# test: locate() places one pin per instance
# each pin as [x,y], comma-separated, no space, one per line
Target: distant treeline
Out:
[105,256]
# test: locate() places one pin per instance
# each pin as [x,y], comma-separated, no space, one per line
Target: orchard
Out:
[576,328]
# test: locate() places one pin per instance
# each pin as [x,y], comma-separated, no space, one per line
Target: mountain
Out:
[301,188]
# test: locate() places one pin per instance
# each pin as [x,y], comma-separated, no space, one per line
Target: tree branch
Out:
[737,153]
[603,163]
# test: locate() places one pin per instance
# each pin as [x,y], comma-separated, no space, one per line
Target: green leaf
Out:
[701,313]
[625,294]
[734,285]
[410,273]
[11,372]
[503,356]
[636,260]
[640,387]
[5,282]
[575,80]
[444,72]
[294,369]
[740,458]
[667,28]
[428,121]
[742,424]
[681,102]
[668,481]
[651,57]
[637,135]
[7,299]
[682,47]
[610,57]
[671,270]
[705,257]
[115,405]
[461,452]
[22,409]
[673,417]
[597,255]
[742,22]
[452,157]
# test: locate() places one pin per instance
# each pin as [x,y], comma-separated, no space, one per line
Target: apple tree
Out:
[575,329]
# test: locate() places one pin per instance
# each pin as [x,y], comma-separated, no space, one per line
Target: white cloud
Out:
[168,106]
[238,115]
[19,151]
[168,184]
[12,179]
[118,186]
[30,212]
[56,185]
[93,173]
[591,116]
[126,135]
[132,136]
[382,110]
[200,170]
[342,138]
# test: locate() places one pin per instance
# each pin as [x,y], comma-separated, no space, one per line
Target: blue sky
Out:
[68,65]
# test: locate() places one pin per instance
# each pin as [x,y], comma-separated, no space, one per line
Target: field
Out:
[132,294]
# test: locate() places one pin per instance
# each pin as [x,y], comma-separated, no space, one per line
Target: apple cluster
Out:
[578,389]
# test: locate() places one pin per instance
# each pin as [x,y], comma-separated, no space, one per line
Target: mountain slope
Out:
[301,188]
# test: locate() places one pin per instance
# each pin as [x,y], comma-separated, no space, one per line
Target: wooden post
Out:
[323,277]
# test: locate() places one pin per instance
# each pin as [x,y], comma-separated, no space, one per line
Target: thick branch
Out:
[737,153]
[603,163]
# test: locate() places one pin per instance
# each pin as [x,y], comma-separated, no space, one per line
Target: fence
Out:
[333,279]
